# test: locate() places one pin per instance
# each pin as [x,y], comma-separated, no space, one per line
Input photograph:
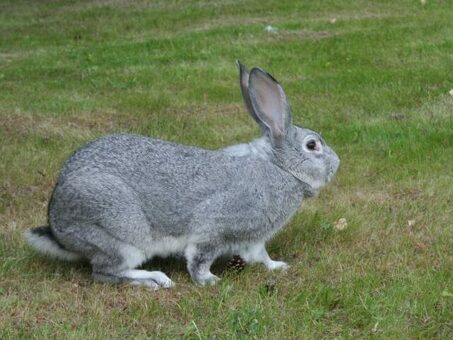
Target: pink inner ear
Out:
[270,102]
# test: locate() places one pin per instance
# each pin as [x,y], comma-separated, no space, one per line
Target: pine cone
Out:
[236,263]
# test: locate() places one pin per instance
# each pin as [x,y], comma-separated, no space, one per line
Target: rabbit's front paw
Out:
[199,259]
[279,265]
[208,279]
[256,253]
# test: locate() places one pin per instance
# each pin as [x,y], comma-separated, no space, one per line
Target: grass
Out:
[373,77]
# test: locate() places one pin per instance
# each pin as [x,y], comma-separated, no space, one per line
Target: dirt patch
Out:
[362,15]
[371,197]
[299,35]
[227,22]
[84,123]
[408,194]
[8,56]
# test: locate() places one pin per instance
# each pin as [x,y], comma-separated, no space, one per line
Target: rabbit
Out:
[123,199]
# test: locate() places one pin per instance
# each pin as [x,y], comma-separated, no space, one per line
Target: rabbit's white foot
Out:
[279,265]
[208,279]
[257,253]
[137,277]
[153,279]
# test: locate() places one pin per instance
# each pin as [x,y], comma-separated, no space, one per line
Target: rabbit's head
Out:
[299,151]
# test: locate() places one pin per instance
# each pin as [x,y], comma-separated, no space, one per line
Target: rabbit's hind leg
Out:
[99,217]
[114,261]
[119,268]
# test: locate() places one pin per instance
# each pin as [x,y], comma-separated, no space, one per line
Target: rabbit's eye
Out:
[311,145]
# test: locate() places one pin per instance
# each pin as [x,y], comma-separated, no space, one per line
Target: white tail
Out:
[42,239]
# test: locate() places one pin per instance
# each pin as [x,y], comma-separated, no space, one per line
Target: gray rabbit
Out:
[122,199]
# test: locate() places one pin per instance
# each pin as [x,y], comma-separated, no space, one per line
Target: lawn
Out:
[372,77]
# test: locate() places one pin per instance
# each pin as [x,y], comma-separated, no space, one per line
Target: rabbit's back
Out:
[152,167]
[164,178]
[131,157]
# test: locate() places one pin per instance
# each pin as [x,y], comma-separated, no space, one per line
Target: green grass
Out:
[373,77]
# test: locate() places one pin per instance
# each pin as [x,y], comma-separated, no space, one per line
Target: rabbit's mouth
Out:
[333,168]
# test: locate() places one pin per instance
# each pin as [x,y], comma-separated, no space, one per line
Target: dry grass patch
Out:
[83,125]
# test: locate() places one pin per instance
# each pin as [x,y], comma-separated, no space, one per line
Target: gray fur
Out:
[122,199]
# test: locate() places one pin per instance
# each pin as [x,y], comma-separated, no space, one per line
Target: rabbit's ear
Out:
[270,104]
[244,82]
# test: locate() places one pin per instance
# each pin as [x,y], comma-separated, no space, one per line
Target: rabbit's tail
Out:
[43,240]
